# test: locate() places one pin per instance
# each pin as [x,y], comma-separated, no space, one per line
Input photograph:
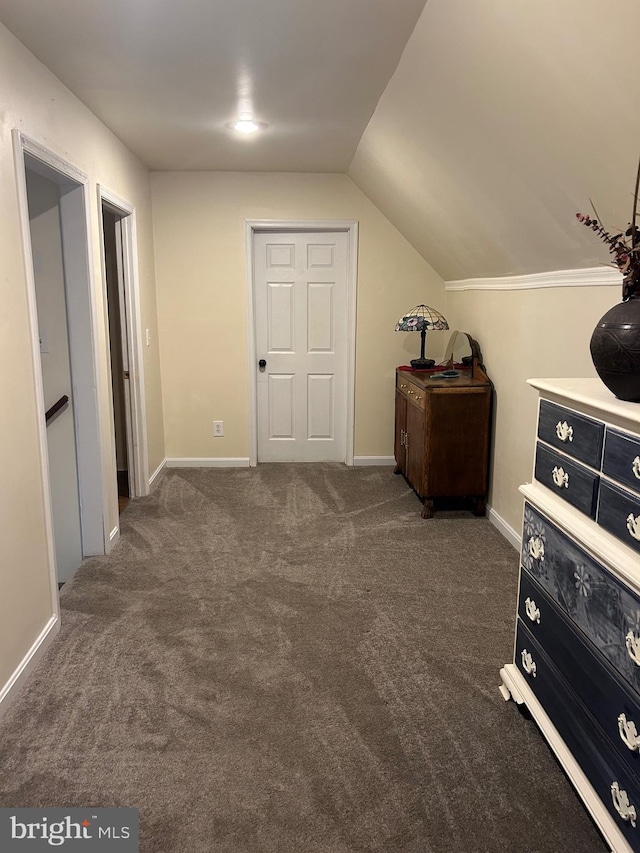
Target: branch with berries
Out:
[625,246]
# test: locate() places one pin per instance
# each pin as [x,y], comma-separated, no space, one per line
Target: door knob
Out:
[262,364]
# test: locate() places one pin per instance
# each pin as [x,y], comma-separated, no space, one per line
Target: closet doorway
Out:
[120,281]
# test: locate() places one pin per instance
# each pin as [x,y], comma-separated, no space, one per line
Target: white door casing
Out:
[82,320]
[128,284]
[303,296]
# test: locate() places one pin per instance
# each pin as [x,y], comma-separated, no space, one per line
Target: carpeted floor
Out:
[288,659]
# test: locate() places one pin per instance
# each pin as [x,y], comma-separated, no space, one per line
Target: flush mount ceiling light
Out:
[246,126]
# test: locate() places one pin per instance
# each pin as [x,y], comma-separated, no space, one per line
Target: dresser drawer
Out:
[602,607]
[613,705]
[577,435]
[570,480]
[621,459]
[612,780]
[619,513]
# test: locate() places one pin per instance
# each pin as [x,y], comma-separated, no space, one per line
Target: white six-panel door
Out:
[300,286]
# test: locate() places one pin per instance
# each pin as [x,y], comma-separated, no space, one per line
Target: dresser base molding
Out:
[515,687]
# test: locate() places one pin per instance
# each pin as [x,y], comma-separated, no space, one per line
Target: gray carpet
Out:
[288,659]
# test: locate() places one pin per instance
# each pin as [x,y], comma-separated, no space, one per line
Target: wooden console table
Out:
[442,435]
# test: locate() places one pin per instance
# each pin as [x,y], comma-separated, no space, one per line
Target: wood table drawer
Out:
[621,459]
[613,705]
[416,395]
[413,392]
[619,513]
[571,481]
[604,609]
[574,434]
[611,778]
[402,383]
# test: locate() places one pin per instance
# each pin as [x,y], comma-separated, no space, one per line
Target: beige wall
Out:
[36,103]
[501,121]
[200,269]
[525,334]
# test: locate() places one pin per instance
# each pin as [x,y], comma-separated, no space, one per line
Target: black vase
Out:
[615,350]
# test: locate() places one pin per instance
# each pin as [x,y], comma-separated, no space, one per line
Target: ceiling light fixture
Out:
[246,125]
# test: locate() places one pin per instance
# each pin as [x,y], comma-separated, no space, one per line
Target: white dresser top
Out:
[592,394]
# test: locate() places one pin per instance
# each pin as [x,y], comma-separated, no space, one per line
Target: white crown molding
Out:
[593,277]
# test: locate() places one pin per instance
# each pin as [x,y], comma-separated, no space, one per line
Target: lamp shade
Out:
[421,318]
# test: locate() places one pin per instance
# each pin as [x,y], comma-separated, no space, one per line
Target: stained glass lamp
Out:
[419,319]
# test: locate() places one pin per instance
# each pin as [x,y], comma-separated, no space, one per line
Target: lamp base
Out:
[422,363]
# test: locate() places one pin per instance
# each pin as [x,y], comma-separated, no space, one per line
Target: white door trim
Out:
[90,476]
[253,226]
[139,482]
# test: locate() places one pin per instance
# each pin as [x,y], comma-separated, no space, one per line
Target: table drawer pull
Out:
[622,805]
[564,431]
[528,663]
[560,478]
[633,526]
[533,612]
[628,733]
[635,467]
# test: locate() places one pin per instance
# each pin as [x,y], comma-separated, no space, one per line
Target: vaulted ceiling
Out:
[478,128]
[502,119]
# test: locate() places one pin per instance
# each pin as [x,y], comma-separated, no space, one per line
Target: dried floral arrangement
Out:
[624,246]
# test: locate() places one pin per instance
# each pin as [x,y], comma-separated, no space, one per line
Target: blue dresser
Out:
[577,647]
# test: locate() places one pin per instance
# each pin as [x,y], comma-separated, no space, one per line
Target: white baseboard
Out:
[157,472]
[505,529]
[208,462]
[28,663]
[114,537]
[374,460]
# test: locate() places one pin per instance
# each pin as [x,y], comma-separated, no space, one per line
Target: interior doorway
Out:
[113,268]
[121,292]
[52,198]
[301,287]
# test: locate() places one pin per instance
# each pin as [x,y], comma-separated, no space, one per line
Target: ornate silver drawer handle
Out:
[635,467]
[622,805]
[532,611]
[528,663]
[633,647]
[560,478]
[628,733]
[633,525]
[564,431]
[536,548]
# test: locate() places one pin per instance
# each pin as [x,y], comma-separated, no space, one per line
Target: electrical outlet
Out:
[218,428]
[148,337]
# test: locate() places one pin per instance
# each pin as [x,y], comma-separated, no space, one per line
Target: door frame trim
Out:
[90,473]
[139,482]
[350,227]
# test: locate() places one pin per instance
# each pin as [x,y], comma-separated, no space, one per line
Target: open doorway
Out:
[121,291]
[53,208]
[114,277]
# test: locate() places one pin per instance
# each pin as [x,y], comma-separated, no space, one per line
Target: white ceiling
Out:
[166,77]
